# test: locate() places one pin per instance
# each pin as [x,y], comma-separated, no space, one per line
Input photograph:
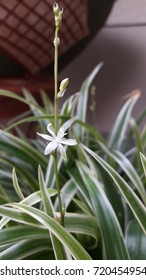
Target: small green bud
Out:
[56,9]
[64,84]
[61,93]
[63,87]
[58,13]
[56,41]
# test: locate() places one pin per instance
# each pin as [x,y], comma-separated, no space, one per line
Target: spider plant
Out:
[99,212]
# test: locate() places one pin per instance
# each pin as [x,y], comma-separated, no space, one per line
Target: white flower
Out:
[56,141]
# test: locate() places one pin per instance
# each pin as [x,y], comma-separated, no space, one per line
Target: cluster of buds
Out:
[58,15]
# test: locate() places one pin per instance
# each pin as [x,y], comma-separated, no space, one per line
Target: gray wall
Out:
[121,45]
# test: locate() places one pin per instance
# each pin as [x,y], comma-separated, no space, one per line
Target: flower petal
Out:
[60,133]
[68,124]
[62,151]
[46,137]
[49,128]
[50,147]
[69,142]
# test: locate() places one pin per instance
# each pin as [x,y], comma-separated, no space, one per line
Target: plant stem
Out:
[58,190]
[56,121]
[56,80]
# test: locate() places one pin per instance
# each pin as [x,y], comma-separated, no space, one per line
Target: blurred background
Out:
[111,31]
[121,45]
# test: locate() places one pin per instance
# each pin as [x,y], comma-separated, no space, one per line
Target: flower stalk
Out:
[56,44]
[56,139]
[61,220]
[58,19]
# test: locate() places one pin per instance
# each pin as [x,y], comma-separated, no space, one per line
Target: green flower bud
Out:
[56,9]
[64,84]
[58,13]
[61,93]
[56,41]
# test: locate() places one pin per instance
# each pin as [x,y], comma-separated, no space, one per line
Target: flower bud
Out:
[56,41]
[56,9]
[64,84]
[57,14]
[61,93]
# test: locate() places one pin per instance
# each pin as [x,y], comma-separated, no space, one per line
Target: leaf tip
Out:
[135,94]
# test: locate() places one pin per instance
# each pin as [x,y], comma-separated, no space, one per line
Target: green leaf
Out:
[83,224]
[82,206]
[69,105]
[50,179]
[141,117]
[22,232]
[34,119]
[36,110]
[47,102]
[36,197]
[25,248]
[136,135]
[75,223]
[131,172]
[92,130]
[30,200]
[3,200]
[132,199]
[68,191]
[113,196]
[143,161]
[15,146]
[13,214]
[16,185]
[20,98]
[143,137]
[74,247]
[128,168]
[77,179]
[136,241]
[28,120]
[25,170]
[119,129]
[48,206]
[113,248]
[3,222]
[4,194]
